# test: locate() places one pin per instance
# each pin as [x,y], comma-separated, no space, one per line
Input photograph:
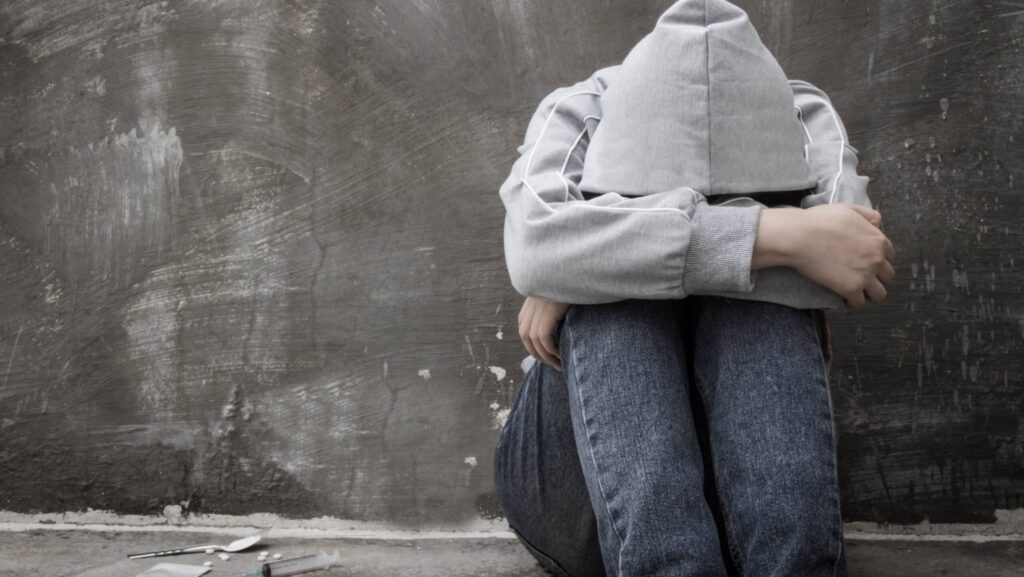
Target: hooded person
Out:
[699,103]
[647,179]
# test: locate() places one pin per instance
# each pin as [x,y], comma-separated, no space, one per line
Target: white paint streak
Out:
[113,203]
[44,32]
[152,329]
[96,86]
[318,528]
[10,362]
[500,418]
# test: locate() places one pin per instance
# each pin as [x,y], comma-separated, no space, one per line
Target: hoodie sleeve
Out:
[563,247]
[828,150]
[834,162]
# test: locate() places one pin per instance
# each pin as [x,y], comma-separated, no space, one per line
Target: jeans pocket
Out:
[549,565]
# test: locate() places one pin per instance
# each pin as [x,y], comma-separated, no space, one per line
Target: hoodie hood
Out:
[700,102]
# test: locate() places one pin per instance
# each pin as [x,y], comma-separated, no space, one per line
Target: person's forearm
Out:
[839,246]
[777,237]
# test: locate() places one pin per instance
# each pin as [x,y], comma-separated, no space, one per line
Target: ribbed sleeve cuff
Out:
[721,249]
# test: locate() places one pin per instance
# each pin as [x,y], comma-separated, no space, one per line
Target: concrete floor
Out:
[98,554]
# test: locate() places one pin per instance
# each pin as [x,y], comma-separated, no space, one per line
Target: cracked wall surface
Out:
[252,254]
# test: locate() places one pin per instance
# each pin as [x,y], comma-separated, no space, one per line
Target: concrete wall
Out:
[252,260]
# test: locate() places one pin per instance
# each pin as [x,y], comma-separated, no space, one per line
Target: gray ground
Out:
[94,554]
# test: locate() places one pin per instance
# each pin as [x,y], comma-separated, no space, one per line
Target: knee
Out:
[620,320]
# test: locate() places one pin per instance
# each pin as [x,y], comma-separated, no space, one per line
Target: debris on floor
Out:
[234,546]
[306,564]
[173,570]
[279,567]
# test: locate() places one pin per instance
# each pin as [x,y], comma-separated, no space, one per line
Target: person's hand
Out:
[842,247]
[537,322]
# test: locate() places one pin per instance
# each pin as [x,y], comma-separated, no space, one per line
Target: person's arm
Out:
[834,162]
[562,247]
[828,150]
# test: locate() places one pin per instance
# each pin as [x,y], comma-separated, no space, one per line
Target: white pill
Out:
[208,564]
[224,556]
[209,551]
[277,555]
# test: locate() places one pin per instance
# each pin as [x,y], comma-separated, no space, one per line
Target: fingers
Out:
[547,344]
[539,332]
[854,300]
[538,320]
[872,215]
[875,291]
[888,273]
[525,324]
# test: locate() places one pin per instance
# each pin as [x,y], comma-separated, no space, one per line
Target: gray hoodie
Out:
[647,179]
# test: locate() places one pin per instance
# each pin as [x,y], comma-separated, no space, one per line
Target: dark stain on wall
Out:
[252,257]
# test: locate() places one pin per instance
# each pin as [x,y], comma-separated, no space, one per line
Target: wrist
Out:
[778,234]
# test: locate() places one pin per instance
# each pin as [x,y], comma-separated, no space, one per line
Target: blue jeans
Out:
[684,437]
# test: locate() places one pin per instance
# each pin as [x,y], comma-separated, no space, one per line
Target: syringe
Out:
[295,566]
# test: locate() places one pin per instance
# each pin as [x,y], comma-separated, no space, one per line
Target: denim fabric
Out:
[684,437]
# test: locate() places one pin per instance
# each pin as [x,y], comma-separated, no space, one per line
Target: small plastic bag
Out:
[174,570]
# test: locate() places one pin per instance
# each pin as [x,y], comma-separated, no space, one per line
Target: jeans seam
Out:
[834,454]
[535,551]
[514,406]
[590,447]
[497,459]
[729,533]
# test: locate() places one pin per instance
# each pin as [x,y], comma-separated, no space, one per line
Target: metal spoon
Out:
[232,547]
